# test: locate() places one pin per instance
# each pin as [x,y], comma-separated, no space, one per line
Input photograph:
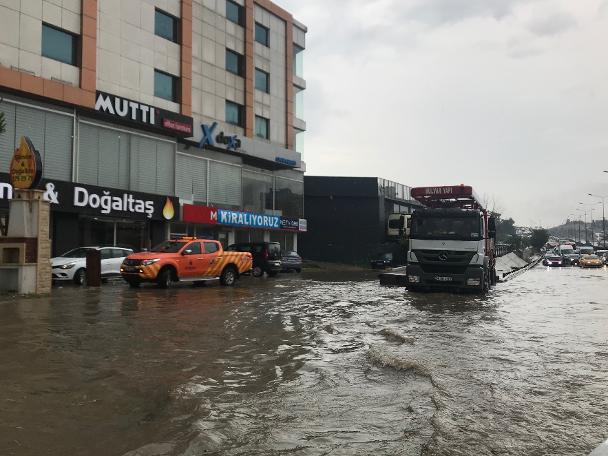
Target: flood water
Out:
[312,364]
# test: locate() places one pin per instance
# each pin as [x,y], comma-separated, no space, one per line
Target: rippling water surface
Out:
[316,364]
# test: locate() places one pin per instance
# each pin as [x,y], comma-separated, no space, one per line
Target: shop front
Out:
[230,226]
[83,215]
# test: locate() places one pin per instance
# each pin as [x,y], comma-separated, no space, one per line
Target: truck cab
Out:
[451,241]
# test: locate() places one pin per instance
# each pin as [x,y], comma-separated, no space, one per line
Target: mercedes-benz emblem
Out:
[443,256]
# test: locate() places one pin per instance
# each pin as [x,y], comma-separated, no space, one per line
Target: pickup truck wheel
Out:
[257,271]
[228,277]
[164,278]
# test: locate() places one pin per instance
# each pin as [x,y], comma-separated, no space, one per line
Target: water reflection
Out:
[307,364]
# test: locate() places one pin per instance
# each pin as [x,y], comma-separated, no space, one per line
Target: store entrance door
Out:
[107,232]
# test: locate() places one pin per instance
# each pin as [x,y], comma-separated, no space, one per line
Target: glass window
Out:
[261,127]
[165,86]
[194,247]
[262,34]
[262,80]
[299,99]
[257,192]
[234,12]
[106,254]
[289,198]
[299,140]
[59,45]
[234,113]
[298,61]
[211,247]
[234,62]
[165,25]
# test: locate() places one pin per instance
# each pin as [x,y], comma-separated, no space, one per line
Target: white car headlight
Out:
[149,262]
[67,266]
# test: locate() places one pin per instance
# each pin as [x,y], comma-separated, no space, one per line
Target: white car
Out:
[72,265]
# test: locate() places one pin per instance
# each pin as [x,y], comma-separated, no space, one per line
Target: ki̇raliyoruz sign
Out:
[99,201]
[140,113]
[213,216]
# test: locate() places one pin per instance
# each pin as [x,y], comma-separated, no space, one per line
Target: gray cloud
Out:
[553,24]
[440,12]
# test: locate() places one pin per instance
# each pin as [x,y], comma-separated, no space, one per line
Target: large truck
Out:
[452,241]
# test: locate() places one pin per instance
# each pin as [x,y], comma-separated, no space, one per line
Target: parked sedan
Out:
[71,266]
[291,261]
[591,261]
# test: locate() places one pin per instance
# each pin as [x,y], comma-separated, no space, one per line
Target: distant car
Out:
[291,261]
[553,259]
[385,261]
[72,265]
[266,256]
[591,261]
[586,250]
[571,257]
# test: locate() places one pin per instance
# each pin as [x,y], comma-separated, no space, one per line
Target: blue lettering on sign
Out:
[285,161]
[207,139]
[234,218]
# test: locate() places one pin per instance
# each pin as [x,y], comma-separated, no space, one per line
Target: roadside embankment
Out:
[510,266]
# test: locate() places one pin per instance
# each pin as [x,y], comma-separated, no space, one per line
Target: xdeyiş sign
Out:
[140,113]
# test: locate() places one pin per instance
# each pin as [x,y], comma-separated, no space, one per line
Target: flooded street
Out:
[311,364]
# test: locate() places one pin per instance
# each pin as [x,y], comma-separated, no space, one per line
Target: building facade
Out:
[157,118]
[348,218]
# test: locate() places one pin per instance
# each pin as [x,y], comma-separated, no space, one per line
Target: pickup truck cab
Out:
[185,260]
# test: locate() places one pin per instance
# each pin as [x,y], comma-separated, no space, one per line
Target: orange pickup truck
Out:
[185,260]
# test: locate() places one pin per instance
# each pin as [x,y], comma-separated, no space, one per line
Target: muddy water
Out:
[308,365]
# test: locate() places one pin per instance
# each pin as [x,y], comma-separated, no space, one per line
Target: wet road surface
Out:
[311,364]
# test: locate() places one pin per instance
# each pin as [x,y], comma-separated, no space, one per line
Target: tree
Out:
[539,238]
[2,123]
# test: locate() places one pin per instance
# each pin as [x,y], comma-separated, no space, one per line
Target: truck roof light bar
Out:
[449,196]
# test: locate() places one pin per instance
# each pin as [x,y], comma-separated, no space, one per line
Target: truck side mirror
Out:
[401,225]
[492,227]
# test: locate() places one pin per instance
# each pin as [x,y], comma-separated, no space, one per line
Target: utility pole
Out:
[603,198]
[584,211]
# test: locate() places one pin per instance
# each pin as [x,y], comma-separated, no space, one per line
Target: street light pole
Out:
[585,212]
[603,198]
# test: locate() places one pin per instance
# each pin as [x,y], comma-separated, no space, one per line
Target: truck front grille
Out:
[444,261]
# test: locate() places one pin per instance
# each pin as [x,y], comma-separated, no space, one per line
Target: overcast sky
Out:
[510,96]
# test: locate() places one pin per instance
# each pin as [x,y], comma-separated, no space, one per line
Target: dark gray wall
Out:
[345,219]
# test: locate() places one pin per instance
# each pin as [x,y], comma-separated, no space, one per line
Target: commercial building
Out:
[157,118]
[348,217]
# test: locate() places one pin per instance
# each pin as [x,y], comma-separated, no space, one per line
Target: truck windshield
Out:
[168,247]
[461,228]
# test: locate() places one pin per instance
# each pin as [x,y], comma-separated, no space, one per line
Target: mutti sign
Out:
[143,114]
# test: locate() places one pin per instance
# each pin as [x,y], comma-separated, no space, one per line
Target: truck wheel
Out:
[228,277]
[257,271]
[80,277]
[164,278]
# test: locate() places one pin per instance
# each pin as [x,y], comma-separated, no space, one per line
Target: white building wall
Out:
[272,60]
[212,85]
[21,36]
[128,51]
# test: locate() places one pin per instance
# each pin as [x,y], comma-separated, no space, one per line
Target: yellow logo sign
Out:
[168,210]
[26,166]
